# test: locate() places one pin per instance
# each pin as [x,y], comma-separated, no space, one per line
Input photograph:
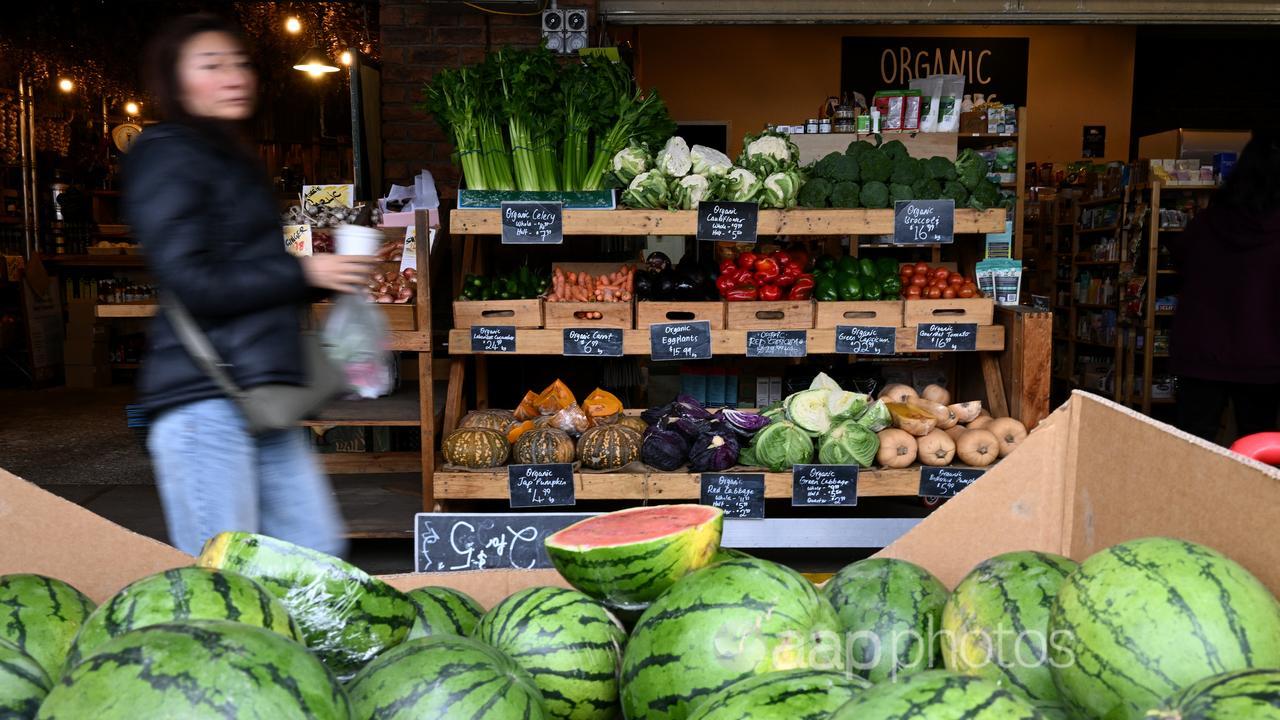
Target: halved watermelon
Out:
[630,557]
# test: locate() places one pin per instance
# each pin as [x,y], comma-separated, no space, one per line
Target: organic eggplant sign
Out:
[532,223]
[739,495]
[866,340]
[680,341]
[777,343]
[728,221]
[593,342]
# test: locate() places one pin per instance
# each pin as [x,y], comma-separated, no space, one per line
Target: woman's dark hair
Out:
[1254,183]
[160,71]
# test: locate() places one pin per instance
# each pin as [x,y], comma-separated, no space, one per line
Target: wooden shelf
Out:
[1165,313]
[1107,228]
[360,463]
[114,260]
[379,506]
[685,222]
[988,136]
[1108,200]
[400,340]
[125,310]
[1166,272]
[1189,186]
[400,409]
[723,342]
[659,486]
[1098,306]
[1082,341]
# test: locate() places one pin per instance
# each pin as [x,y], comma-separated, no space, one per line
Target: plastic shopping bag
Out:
[355,336]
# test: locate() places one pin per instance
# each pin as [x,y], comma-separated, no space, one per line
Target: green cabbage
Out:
[845,405]
[876,417]
[848,443]
[780,445]
[823,381]
[808,409]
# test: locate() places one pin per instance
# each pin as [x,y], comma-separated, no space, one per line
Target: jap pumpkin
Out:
[602,407]
[528,408]
[544,445]
[634,422]
[499,420]
[605,447]
[475,448]
[519,430]
[555,398]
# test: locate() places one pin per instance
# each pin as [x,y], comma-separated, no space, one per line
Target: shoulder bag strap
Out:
[199,347]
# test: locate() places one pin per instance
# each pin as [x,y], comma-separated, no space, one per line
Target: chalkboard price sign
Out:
[946,481]
[777,343]
[541,485]
[947,336]
[824,485]
[493,338]
[865,340]
[451,542]
[593,342]
[680,341]
[532,223]
[924,222]
[739,495]
[728,221]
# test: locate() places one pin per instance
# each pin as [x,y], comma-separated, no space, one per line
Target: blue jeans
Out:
[214,476]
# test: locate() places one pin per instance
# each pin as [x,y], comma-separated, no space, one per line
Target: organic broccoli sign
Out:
[924,222]
[728,221]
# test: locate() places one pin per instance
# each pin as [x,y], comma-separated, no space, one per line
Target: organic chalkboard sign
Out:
[728,221]
[593,342]
[449,542]
[680,341]
[824,485]
[866,340]
[946,481]
[947,336]
[739,495]
[493,338]
[924,222]
[777,343]
[548,485]
[532,223]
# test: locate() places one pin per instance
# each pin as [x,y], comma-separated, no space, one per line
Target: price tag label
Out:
[924,222]
[739,495]
[728,221]
[317,196]
[946,481]
[866,340]
[493,338]
[824,485]
[541,485]
[947,336]
[680,341]
[777,343]
[532,223]
[593,342]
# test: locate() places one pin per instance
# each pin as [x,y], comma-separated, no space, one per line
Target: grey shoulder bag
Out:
[271,407]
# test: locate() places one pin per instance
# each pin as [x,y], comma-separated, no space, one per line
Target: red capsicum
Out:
[728,267]
[782,257]
[789,276]
[770,292]
[747,260]
[742,293]
[802,289]
[725,283]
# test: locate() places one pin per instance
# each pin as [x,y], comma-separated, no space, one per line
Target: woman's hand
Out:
[342,273]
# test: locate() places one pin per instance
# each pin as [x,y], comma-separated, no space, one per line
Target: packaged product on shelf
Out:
[890,104]
[1000,279]
[949,103]
[930,101]
[911,107]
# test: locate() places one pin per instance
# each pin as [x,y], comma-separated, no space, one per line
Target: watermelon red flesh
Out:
[1243,695]
[937,695]
[628,558]
[1144,619]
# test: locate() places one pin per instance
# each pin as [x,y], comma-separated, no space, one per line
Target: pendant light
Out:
[314,62]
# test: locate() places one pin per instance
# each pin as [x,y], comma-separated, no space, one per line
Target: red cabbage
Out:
[745,424]
[663,449]
[712,451]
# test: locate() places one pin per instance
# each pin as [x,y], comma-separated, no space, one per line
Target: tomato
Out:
[956,279]
[966,292]
[970,285]
[906,269]
[942,273]
[949,293]
[919,280]
[922,268]
[913,292]
[934,293]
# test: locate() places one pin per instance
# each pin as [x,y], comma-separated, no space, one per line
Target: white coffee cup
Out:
[358,240]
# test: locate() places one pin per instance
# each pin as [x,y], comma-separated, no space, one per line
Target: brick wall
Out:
[418,39]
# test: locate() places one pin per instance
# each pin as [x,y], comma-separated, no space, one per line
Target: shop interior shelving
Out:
[979,141]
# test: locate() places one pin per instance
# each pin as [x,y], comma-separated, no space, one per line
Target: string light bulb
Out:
[65,85]
[131,108]
[345,57]
[293,25]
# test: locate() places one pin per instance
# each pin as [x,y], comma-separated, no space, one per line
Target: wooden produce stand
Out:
[641,487]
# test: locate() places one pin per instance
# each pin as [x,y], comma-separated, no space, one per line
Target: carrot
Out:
[572,277]
[626,297]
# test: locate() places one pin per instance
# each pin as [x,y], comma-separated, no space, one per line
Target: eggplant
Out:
[644,285]
[685,289]
[658,261]
[665,287]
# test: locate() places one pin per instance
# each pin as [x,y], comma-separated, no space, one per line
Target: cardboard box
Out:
[1091,475]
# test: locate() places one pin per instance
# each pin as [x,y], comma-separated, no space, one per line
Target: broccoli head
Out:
[894,149]
[857,147]
[985,195]
[940,168]
[927,188]
[815,193]
[846,194]
[898,191]
[953,190]
[874,166]
[874,194]
[906,171]
[822,168]
[845,168]
[971,168]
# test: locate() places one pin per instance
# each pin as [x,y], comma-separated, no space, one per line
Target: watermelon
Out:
[721,624]
[937,695]
[996,622]
[41,615]
[630,557]
[1240,695]
[23,683]
[784,695]
[346,616]
[1144,619]
[891,612]
[443,610]
[567,642]
[188,593]
[729,554]
[197,670]
[444,676]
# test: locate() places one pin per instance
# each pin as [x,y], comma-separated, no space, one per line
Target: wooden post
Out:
[1026,363]
[426,381]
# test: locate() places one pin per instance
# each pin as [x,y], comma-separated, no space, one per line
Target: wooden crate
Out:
[651,312]
[570,314]
[872,313]
[399,316]
[520,313]
[769,315]
[959,310]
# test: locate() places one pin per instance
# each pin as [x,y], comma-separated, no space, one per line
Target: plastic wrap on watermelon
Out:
[355,338]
